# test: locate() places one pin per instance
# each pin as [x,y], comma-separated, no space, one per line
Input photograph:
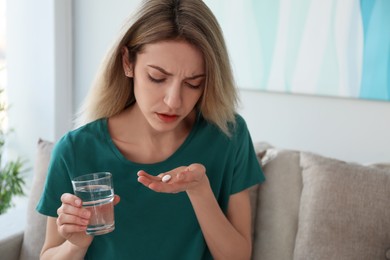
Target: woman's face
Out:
[169,78]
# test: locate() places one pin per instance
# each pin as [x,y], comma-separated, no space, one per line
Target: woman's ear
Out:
[126,63]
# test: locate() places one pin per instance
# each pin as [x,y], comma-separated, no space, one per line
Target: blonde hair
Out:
[158,20]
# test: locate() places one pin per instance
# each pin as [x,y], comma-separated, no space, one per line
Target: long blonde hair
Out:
[159,20]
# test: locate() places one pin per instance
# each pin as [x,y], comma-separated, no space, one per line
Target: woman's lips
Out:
[167,118]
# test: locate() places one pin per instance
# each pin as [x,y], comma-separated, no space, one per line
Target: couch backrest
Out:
[34,234]
[315,207]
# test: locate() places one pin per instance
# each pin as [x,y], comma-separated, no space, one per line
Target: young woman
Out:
[163,104]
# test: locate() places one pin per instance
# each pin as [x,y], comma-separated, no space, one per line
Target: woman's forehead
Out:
[173,55]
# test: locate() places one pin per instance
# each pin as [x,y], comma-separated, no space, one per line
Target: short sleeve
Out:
[247,170]
[57,181]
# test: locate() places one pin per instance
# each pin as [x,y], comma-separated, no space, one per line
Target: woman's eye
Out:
[155,80]
[193,85]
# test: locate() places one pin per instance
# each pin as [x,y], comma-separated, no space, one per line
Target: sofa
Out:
[309,207]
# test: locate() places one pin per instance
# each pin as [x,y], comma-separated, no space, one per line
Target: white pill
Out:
[166,178]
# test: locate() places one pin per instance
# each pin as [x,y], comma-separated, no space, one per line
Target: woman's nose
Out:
[173,97]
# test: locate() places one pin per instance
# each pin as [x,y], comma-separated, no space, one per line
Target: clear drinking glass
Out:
[97,194]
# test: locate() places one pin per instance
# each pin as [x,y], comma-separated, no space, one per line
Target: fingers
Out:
[150,181]
[149,176]
[147,179]
[71,199]
[176,180]
[71,216]
[65,228]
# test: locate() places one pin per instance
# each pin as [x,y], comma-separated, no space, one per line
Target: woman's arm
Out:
[65,235]
[56,247]
[228,237]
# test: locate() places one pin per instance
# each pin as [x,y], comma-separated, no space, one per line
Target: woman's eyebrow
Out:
[196,76]
[161,70]
[170,74]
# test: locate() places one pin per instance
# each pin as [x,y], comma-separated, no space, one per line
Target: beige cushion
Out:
[344,211]
[261,149]
[277,208]
[34,234]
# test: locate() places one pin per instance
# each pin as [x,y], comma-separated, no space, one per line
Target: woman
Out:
[163,104]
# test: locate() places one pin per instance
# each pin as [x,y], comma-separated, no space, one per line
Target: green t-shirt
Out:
[151,225]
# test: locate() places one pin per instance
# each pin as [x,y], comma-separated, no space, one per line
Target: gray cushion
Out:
[34,234]
[261,149]
[277,207]
[344,211]
[10,246]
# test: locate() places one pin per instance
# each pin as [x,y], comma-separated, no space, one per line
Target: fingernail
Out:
[78,202]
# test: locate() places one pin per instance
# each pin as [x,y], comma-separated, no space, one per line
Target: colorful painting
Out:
[322,47]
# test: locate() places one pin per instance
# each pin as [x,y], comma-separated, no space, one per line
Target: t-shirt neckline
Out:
[112,146]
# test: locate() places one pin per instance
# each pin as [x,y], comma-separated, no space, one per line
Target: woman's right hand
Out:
[72,221]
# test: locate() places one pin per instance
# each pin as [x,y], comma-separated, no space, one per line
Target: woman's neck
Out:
[138,141]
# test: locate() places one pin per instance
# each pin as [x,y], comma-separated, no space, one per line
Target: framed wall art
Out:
[322,47]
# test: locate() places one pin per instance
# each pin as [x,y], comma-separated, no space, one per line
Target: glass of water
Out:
[97,194]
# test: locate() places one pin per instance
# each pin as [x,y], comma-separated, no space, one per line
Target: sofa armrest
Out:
[10,246]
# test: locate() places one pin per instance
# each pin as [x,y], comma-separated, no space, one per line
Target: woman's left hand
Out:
[183,178]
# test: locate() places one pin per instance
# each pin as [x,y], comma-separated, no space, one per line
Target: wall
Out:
[93,34]
[39,73]
[30,74]
[348,129]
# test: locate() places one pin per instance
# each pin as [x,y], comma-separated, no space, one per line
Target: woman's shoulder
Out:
[238,126]
[92,130]
[240,121]
[238,129]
